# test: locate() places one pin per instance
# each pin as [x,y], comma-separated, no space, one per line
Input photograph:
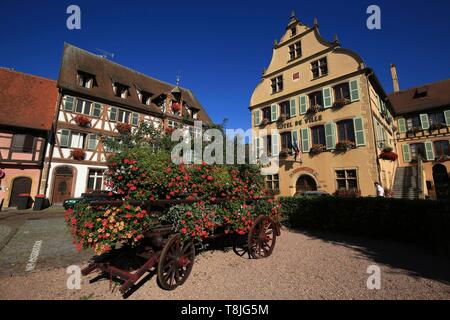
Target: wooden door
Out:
[62,189]
[20,185]
[305,184]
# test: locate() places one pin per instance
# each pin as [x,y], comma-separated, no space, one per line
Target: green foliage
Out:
[417,221]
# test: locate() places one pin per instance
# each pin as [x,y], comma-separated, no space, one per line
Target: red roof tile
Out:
[27,101]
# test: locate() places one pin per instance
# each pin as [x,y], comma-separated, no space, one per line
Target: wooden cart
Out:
[173,258]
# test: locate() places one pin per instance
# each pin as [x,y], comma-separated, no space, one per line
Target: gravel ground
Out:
[302,267]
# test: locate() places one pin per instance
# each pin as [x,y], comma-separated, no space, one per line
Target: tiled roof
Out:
[421,98]
[27,101]
[106,72]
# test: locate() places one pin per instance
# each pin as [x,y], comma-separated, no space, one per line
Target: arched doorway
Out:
[62,186]
[21,185]
[305,183]
[441,182]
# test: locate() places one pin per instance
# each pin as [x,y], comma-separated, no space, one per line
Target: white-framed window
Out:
[273,182]
[97,110]
[85,80]
[319,68]
[68,103]
[83,107]
[92,142]
[95,180]
[112,114]
[120,90]
[123,116]
[64,138]
[76,140]
[295,50]
[277,84]
[347,179]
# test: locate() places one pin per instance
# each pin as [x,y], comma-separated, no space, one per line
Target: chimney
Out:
[395,78]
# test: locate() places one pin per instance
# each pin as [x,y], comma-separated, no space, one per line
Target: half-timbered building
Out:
[27,106]
[97,98]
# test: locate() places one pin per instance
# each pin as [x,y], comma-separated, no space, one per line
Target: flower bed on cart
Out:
[219,196]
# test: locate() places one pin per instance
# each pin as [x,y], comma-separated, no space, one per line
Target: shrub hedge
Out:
[421,222]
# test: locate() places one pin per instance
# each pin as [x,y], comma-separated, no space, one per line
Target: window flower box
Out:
[437,126]
[345,146]
[443,158]
[340,103]
[78,154]
[123,128]
[314,109]
[82,121]
[317,149]
[414,130]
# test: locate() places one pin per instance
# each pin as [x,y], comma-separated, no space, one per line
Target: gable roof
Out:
[426,97]
[27,101]
[107,72]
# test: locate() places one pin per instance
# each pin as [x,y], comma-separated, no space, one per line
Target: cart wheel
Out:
[262,238]
[175,263]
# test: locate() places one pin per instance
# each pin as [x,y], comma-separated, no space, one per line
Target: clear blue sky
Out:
[221,47]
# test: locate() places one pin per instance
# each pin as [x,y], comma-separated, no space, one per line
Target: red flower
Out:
[184,231]
[210,178]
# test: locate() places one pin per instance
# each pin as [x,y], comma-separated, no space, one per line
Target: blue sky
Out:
[221,47]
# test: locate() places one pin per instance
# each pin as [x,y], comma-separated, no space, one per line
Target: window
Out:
[286,141]
[293,31]
[318,135]
[135,119]
[295,50]
[441,148]
[417,149]
[319,68]
[273,182]
[413,122]
[92,142]
[69,103]
[95,181]
[277,84]
[346,131]
[145,97]
[267,113]
[268,145]
[285,108]
[23,143]
[97,110]
[346,180]
[436,118]
[316,98]
[85,80]
[77,140]
[120,90]
[83,107]
[113,114]
[342,91]
[172,124]
[123,116]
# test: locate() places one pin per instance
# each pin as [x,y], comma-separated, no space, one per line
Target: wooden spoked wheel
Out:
[175,263]
[262,238]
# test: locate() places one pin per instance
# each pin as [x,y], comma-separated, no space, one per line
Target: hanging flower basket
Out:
[82,121]
[345,146]
[78,154]
[388,155]
[123,128]
[317,149]
[339,103]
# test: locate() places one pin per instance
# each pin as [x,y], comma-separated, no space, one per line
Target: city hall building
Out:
[324,113]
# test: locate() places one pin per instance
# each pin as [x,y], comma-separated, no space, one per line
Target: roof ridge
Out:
[26,74]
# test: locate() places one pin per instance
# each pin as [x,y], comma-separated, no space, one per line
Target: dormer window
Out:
[85,80]
[293,31]
[120,90]
[421,93]
[145,97]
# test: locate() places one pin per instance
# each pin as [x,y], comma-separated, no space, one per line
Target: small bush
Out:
[420,222]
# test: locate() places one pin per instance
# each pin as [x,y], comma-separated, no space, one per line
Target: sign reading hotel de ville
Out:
[300,122]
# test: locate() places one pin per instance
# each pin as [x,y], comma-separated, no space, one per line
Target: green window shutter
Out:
[424,121]
[406,153]
[303,104]
[97,110]
[64,139]
[258,148]
[275,145]
[293,107]
[305,141]
[257,117]
[330,136]
[68,103]
[295,138]
[359,132]
[447,117]
[327,99]
[429,150]
[113,114]
[92,142]
[401,125]
[354,90]
[274,113]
